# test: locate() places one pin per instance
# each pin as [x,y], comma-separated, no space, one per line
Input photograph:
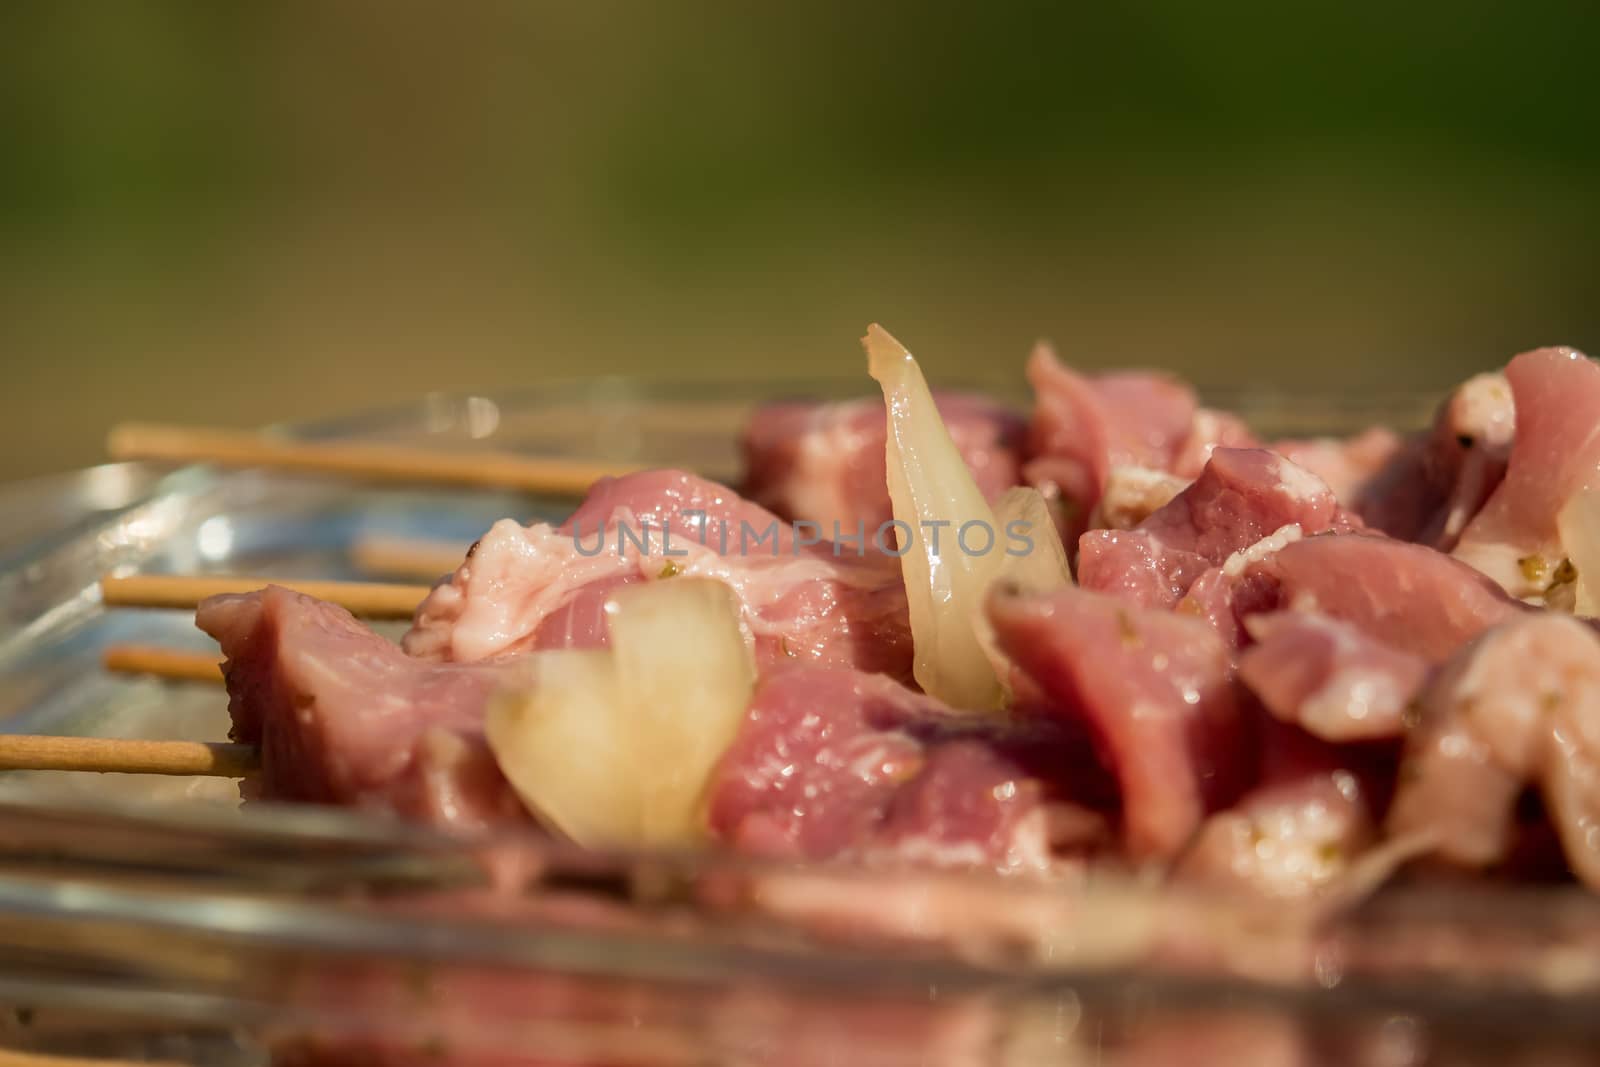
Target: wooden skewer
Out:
[24,752]
[402,557]
[373,600]
[372,462]
[10,1058]
[162,662]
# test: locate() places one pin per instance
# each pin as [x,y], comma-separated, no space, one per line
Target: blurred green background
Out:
[234,214]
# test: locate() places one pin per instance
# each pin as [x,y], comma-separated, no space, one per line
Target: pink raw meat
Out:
[526,588]
[1556,453]
[1347,465]
[1154,688]
[1406,596]
[1519,707]
[1082,427]
[1209,431]
[1432,487]
[1328,676]
[1284,839]
[344,717]
[1241,497]
[825,462]
[835,762]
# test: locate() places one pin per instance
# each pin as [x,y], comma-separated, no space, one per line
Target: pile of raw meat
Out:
[1278,657]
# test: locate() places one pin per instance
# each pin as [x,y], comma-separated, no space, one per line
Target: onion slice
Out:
[1036,560]
[614,748]
[958,545]
[1579,526]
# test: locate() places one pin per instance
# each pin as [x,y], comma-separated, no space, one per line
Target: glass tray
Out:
[150,918]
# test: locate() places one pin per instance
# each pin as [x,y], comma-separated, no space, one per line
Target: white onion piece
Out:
[1023,519]
[686,668]
[614,748]
[1579,526]
[1042,566]
[932,491]
[559,743]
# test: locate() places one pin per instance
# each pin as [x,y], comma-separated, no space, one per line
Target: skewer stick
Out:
[162,663]
[9,1058]
[373,600]
[24,752]
[403,557]
[373,462]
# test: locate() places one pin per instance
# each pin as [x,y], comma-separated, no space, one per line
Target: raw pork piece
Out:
[1137,567]
[1132,495]
[1406,596]
[1084,427]
[1556,453]
[1283,840]
[526,588]
[342,716]
[1432,487]
[1346,465]
[1154,689]
[1210,431]
[1519,707]
[1329,677]
[835,762]
[825,462]
[1302,828]
[1224,597]
[1241,497]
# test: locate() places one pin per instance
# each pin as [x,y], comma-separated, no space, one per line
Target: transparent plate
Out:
[154,918]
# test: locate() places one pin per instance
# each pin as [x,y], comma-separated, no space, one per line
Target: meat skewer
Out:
[31,752]
[556,476]
[1161,658]
[373,600]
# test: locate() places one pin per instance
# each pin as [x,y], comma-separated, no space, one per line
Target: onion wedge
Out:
[957,545]
[558,741]
[1579,526]
[614,748]
[1035,560]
